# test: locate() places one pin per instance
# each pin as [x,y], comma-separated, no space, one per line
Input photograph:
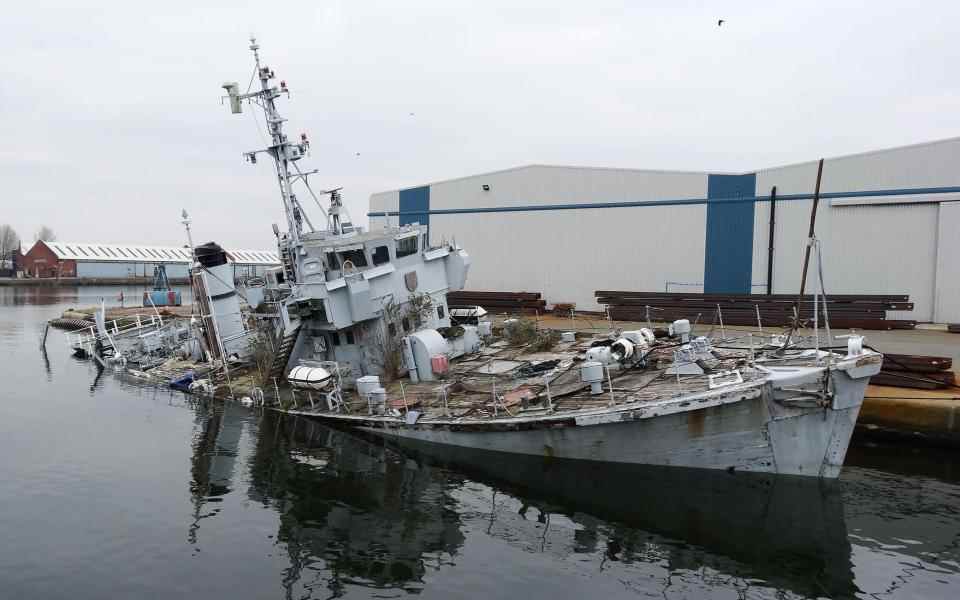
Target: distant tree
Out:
[9,241]
[46,234]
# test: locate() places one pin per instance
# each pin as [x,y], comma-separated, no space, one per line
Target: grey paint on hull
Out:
[720,437]
[777,430]
[739,436]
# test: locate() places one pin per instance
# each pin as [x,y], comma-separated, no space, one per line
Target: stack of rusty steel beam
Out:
[859,311]
[500,302]
[914,371]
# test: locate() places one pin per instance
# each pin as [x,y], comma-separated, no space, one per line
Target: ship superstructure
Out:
[344,295]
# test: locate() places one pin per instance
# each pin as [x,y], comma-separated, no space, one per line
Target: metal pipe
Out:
[816,324]
[613,402]
[723,332]
[823,294]
[667,202]
[773,212]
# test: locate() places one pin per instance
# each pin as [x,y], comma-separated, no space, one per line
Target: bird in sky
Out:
[719,22]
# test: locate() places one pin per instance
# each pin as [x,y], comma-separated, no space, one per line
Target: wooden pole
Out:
[806,256]
[812,232]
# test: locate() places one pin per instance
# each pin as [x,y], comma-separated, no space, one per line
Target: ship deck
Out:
[506,382]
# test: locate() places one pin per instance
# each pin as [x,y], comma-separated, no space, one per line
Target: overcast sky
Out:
[111,121]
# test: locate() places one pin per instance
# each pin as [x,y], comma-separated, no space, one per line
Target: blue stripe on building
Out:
[750,199]
[728,259]
[415,206]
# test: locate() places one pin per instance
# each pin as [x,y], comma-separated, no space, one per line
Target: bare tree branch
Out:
[46,234]
[9,241]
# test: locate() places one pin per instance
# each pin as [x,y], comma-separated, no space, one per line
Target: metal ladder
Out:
[282,355]
[286,260]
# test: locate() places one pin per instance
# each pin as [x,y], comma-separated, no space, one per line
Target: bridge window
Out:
[380,255]
[333,263]
[407,246]
[357,257]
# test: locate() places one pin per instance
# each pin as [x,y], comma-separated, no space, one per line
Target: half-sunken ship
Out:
[365,339]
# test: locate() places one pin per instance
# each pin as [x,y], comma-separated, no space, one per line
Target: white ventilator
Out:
[680,328]
[854,344]
[592,372]
[599,354]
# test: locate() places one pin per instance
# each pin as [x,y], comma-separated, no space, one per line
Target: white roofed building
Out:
[87,260]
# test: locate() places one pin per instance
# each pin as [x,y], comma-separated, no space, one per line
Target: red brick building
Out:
[42,261]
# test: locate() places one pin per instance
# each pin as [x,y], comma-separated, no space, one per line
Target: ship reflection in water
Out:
[355,512]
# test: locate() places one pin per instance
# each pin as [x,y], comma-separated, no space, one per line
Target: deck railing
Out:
[88,337]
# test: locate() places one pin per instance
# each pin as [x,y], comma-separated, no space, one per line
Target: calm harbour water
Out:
[109,489]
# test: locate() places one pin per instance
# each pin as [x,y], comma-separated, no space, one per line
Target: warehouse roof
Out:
[944,141]
[84,251]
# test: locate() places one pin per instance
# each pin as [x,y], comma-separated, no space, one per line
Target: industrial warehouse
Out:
[887,223]
[88,261]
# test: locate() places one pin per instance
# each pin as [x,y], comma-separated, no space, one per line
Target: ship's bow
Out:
[814,411]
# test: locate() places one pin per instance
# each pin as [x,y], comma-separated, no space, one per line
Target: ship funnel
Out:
[219,300]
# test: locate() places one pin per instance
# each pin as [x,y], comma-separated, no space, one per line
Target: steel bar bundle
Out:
[500,302]
[915,371]
[859,311]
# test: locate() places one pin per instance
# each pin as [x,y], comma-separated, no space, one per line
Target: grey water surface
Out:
[112,489]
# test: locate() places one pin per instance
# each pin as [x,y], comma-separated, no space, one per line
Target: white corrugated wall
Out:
[127,269]
[872,245]
[947,301]
[383,202]
[108,269]
[569,254]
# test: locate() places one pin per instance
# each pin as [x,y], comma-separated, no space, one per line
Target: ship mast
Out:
[283,152]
